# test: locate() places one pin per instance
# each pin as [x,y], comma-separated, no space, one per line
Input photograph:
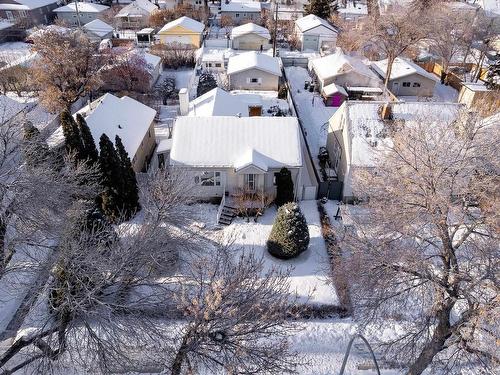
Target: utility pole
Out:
[77,14]
[275,27]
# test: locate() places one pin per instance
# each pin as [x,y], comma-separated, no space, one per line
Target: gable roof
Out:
[233,142]
[339,63]
[82,7]
[125,117]
[27,4]
[312,21]
[185,22]
[401,68]
[98,27]
[131,9]
[253,60]
[217,102]
[241,6]
[250,28]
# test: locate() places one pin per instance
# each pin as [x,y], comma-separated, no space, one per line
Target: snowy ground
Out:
[309,276]
[14,53]
[313,114]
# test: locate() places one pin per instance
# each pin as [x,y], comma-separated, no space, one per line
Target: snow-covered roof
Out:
[332,88]
[230,142]
[311,21]
[152,60]
[82,7]
[125,117]
[241,6]
[368,132]
[250,28]
[253,60]
[217,102]
[9,108]
[98,27]
[475,86]
[401,68]
[185,22]
[27,4]
[339,63]
[134,8]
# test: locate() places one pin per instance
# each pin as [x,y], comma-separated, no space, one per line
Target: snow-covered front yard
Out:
[309,274]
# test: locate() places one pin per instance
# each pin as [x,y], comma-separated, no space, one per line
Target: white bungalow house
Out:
[131,120]
[225,154]
[315,33]
[253,71]
[98,30]
[136,14]
[407,78]
[359,131]
[85,13]
[250,37]
[338,71]
[242,11]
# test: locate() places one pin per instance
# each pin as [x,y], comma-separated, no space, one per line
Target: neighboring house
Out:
[136,14]
[359,133]
[226,154]
[86,12]
[338,71]
[216,102]
[28,12]
[315,33]
[131,120]
[407,78]
[145,37]
[254,71]
[98,30]
[183,30]
[250,37]
[353,10]
[242,11]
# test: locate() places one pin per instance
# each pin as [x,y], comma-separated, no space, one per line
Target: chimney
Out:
[386,111]
[184,101]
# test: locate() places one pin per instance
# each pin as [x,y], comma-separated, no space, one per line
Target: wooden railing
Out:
[221,205]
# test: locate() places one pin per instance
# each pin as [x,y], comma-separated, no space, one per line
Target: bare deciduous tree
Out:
[236,317]
[393,33]
[425,245]
[67,67]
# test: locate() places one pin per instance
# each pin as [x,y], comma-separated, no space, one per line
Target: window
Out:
[217,65]
[250,181]
[254,80]
[416,84]
[237,15]
[208,178]
[406,84]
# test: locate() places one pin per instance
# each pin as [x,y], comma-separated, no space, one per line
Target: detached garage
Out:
[315,34]
[183,30]
[250,37]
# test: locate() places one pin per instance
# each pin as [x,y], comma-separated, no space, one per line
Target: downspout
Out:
[298,180]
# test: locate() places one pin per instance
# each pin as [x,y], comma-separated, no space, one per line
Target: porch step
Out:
[227,215]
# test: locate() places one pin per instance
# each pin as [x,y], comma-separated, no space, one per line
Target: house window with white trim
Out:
[207,178]
[416,84]
[406,84]
[250,181]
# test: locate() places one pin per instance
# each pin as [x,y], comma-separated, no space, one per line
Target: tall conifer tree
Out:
[89,148]
[111,171]
[73,141]
[320,8]
[130,190]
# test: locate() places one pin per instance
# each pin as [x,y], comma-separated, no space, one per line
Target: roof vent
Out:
[238,115]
